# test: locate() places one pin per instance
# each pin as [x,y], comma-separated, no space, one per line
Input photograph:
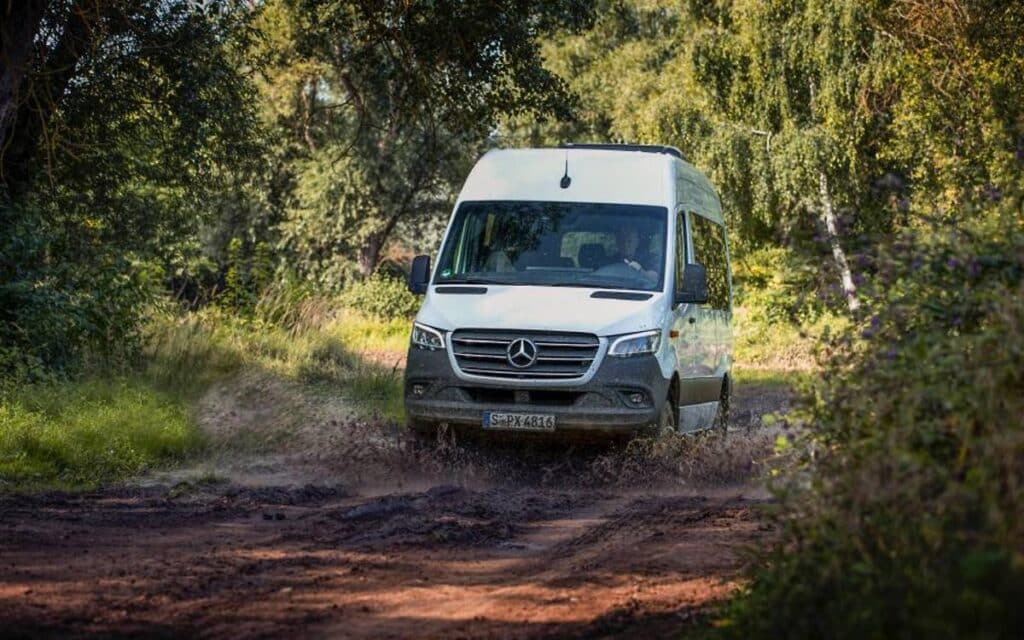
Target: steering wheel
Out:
[622,271]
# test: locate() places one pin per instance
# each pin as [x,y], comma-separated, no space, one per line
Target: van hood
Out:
[541,308]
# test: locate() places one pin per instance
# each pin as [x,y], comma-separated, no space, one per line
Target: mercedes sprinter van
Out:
[579,289]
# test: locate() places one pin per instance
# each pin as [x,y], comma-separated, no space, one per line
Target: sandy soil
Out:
[560,553]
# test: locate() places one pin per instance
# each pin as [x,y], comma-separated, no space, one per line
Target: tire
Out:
[668,419]
[720,427]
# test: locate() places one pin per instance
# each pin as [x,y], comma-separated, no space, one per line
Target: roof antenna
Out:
[566,180]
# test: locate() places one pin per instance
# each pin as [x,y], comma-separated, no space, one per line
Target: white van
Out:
[579,289]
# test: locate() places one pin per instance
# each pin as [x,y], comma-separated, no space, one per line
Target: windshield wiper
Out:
[470,281]
[583,284]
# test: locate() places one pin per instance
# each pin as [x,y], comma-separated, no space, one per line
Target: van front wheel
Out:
[668,420]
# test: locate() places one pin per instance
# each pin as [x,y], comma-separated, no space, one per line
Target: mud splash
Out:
[376,453]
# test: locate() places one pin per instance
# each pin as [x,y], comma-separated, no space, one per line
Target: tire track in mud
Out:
[447,561]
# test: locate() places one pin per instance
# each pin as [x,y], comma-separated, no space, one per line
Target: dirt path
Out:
[522,559]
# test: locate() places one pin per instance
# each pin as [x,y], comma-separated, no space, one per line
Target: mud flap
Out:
[697,417]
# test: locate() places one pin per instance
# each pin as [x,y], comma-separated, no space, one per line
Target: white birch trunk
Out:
[828,214]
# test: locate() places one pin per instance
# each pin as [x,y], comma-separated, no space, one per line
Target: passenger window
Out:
[709,250]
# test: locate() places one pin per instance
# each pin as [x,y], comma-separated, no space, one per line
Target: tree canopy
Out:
[801,108]
[140,139]
[164,145]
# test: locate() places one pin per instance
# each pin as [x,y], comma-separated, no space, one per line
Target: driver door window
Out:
[680,247]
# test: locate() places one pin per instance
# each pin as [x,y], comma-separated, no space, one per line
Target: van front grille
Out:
[556,356]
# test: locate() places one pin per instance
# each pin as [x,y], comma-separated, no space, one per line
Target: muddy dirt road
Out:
[544,555]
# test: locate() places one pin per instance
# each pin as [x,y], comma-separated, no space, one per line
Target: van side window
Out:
[709,250]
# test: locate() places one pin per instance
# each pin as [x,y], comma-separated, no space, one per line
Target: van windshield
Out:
[605,246]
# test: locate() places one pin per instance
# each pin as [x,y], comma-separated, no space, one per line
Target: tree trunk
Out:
[369,255]
[828,215]
[23,138]
[19,23]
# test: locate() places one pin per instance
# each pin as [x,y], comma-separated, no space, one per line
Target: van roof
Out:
[644,148]
[598,173]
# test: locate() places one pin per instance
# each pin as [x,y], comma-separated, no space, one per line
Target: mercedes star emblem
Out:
[521,353]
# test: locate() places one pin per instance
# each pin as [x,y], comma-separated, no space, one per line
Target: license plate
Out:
[519,421]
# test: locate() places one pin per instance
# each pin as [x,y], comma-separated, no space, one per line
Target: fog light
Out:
[418,389]
[637,398]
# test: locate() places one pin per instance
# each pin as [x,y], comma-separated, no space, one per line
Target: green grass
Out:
[344,353]
[366,334]
[83,434]
[772,378]
[780,346]
[99,430]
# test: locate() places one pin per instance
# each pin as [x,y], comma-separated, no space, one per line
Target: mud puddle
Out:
[395,541]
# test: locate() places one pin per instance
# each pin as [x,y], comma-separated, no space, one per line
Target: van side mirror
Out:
[694,287]
[419,276]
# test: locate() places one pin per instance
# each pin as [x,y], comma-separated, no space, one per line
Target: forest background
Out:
[248,173]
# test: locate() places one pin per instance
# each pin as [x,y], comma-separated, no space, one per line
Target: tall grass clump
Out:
[906,519]
[307,340]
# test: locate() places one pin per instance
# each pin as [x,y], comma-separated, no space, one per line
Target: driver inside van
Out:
[627,242]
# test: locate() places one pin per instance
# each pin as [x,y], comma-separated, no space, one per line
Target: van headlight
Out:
[635,344]
[425,337]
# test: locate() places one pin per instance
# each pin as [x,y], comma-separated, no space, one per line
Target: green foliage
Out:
[906,520]
[109,142]
[86,433]
[959,109]
[245,277]
[334,216]
[780,312]
[775,99]
[233,287]
[54,312]
[382,297]
[781,285]
[378,113]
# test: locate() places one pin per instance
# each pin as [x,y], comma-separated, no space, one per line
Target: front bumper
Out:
[601,405]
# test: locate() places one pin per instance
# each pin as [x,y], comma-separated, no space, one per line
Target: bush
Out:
[381,296]
[781,313]
[57,306]
[906,520]
[780,285]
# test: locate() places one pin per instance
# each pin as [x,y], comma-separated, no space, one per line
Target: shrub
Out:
[780,312]
[381,296]
[780,285]
[57,308]
[907,521]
